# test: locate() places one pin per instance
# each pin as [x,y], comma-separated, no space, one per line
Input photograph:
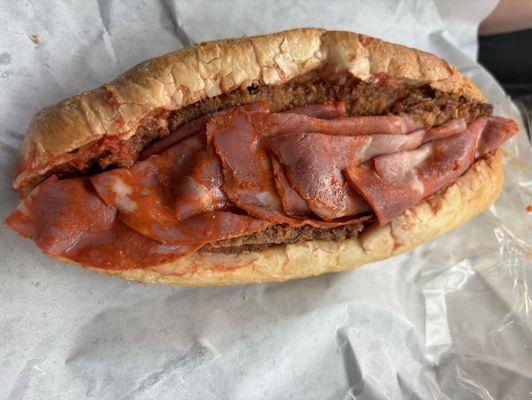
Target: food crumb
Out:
[529,209]
[35,38]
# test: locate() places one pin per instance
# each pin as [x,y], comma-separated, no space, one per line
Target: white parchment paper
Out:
[451,320]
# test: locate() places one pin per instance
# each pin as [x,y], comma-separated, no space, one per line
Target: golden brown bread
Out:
[440,213]
[206,70]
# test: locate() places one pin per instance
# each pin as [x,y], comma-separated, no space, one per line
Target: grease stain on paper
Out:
[5,59]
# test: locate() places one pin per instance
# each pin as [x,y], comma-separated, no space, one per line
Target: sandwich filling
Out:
[255,175]
[380,96]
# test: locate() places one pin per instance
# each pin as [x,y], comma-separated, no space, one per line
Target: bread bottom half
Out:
[468,196]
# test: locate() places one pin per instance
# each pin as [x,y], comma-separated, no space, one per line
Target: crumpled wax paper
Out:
[451,320]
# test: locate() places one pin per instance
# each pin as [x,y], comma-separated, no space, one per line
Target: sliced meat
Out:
[196,126]
[422,103]
[67,219]
[191,128]
[244,179]
[397,165]
[199,189]
[238,139]
[157,199]
[391,188]
[496,132]
[447,129]
[58,212]
[144,193]
[209,227]
[326,110]
[248,178]
[377,145]
[313,164]
[396,182]
[124,248]
[292,202]
[347,126]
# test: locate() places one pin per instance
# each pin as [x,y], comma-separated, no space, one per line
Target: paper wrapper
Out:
[451,320]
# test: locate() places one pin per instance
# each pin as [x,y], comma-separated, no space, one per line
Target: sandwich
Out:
[259,159]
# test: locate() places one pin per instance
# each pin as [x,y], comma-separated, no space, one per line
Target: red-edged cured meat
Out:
[289,123]
[292,202]
[209,227]
[144,193]
[238,139]
[191,128]
[67,219]
[399,181]
[57,212]
[496,131]
[396,182]
[377,145]
[199,189]
[170,196]
[450,128]
[248,178]
[327,110]
[313,165]
[396,166]
[124,248]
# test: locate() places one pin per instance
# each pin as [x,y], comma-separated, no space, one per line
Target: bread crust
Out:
[468,196]
[206,70]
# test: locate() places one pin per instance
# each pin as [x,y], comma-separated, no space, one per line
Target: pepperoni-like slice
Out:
[68,220]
